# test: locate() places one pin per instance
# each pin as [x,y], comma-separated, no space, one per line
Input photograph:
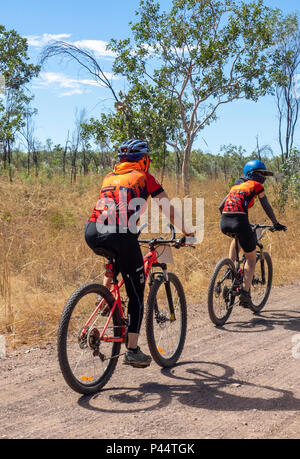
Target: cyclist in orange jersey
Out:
[113,227]
[234,218]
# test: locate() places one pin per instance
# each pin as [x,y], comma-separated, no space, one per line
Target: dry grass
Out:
[43,255]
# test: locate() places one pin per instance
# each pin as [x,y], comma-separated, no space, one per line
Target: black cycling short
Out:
[239,224]
[129,262]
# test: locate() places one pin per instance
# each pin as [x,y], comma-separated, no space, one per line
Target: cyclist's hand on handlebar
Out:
[279,227]
[186,241]
[179,243]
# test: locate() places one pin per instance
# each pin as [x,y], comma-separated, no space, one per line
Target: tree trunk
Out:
[185,169]
[4,155]
[74,167]
[85,166]
[28,162]
[177,172]
[9,156]
[64,162]
[35,162]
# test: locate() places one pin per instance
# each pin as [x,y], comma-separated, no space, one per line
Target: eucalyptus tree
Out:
[16,72]
[288,83]
[206,53]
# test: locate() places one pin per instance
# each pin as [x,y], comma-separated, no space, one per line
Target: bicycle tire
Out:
[258,307]
[67,372]
[218,321]
[151,318]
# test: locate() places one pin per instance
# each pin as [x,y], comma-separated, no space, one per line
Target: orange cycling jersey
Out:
[242,195]
[127,182]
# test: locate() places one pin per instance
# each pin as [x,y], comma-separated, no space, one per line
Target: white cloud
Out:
[59,81]
[71,92]
[42,40]
[98,47]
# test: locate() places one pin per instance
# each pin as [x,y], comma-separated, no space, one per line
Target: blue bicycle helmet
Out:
[133,150]
[255,166]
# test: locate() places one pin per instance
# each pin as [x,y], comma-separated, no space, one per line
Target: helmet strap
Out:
[258,177]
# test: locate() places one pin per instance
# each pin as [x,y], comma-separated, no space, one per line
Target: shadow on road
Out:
[203,385]
[266,321]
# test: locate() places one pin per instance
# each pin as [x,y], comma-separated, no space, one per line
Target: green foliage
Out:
[288,186]
[59,220]
[17,72]
[205,54]
[14,59]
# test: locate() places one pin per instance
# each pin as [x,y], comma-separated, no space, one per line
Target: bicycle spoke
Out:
[85,365]
[222,292]
[166,321]
[86,360]
[261,283]
[167,331]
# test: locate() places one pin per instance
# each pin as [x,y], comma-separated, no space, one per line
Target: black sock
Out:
[132,350]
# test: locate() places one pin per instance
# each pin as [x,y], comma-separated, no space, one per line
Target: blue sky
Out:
[63,88]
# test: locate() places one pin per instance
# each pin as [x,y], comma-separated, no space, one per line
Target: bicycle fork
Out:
[159,317]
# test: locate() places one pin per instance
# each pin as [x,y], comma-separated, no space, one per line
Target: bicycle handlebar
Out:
[270,227]
[178,242]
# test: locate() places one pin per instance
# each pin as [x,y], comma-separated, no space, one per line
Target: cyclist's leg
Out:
[230,224]
[239,224]
[132,269]
[249,269]
[97,241]
[131,265]
[232,250]
[248,243]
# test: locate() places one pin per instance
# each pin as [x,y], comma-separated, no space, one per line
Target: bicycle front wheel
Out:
[166,320]
[262,281]
[87,362]
[220,292]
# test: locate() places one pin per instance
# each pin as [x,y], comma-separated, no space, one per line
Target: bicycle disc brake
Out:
[82,337]
[161,319]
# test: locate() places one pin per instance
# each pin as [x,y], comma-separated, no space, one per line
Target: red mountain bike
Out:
[94,322]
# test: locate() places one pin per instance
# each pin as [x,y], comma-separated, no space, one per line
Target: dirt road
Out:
[241,381]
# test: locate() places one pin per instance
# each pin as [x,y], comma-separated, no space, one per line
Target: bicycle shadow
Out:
[265,321]
[201,385]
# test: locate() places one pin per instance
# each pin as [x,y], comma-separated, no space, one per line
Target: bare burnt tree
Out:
[287,99]
[84,58]
[64,158]
[27,133]
[77,138]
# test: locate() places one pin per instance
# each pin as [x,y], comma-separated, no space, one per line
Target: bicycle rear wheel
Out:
[262,282]
[165,331]
[220,294]
[86,362]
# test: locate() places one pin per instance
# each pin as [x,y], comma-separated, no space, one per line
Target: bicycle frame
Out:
[150,259]
[239,261]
